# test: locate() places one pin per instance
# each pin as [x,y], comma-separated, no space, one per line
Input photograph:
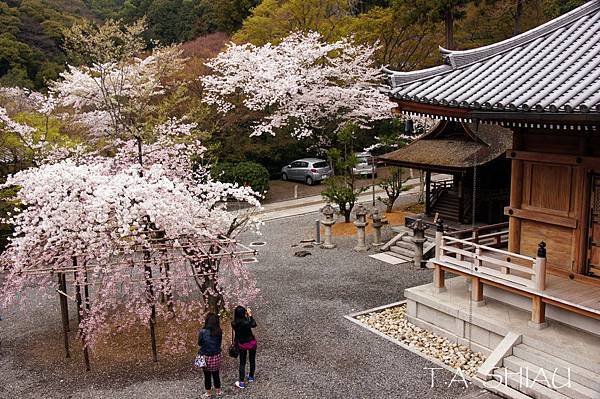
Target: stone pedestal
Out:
[377,224]
[361,225]
[328,223]
[419,228]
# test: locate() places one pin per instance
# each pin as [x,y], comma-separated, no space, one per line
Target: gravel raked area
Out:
[307,349]
[392,322]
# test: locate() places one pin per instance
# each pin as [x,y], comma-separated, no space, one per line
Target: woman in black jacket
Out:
[242,324]
[209,340]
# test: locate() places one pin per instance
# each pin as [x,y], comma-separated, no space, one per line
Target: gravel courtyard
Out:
[306,348]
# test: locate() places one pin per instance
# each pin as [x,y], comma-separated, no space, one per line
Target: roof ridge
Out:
[459,58]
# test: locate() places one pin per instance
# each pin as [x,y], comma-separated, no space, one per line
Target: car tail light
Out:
[313,170]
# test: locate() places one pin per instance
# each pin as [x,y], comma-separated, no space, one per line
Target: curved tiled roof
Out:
[554,67]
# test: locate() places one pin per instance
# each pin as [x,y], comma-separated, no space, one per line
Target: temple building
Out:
[522,114]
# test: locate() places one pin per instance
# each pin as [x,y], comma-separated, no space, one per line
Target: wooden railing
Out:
[484,264]
[442,184]
[493,235]
[473,257]
[438,188]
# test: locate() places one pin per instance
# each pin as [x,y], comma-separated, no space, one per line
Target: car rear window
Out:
[320,165]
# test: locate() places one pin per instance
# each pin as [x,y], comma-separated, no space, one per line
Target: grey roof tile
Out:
[554,67]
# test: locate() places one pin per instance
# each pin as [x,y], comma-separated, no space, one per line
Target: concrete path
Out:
[314,203]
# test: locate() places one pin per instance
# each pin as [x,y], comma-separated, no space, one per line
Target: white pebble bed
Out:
[392,322]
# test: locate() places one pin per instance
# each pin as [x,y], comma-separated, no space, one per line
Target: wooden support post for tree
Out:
[64,312]
[152,321]
[80,312]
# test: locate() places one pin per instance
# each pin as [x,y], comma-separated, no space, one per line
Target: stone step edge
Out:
[570,358]
[500,389]
[576,390]
[580,374]
[526,386]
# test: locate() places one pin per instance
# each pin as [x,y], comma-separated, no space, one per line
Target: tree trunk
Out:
[390,205]
[449,21]
[347,213]
[518,15]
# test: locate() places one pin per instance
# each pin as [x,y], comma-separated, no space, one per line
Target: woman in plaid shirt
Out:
[209,340]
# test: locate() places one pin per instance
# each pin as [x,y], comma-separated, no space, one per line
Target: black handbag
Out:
[233,348]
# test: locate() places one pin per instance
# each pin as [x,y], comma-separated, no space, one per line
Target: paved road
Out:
[314,203]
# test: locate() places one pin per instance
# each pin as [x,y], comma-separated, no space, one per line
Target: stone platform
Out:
[569,348]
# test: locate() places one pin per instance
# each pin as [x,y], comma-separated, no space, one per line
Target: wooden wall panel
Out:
[557,238]
[550,187]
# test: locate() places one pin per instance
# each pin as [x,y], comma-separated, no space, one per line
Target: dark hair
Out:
[239,314]
[212,323]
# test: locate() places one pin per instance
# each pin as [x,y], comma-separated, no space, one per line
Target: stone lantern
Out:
[377,224]
[361,224]
[329,213]
[419,227]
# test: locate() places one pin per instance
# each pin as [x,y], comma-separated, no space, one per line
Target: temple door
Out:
[593,264]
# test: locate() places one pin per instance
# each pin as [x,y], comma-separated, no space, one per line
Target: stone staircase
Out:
[531,371]
[403,247]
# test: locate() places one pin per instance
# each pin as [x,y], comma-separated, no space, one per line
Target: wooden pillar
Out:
[461,198]
[516,198]
[538,307]
[477,291]
[438,273]
[64,311]
[538,313]
[427,192]
[439,277]
[539,267]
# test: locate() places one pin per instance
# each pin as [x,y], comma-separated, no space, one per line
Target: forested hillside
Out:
[408,31]
[31,36]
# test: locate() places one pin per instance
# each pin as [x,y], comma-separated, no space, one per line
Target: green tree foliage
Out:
[172,21]
[244,174]
[31,37]
[393,186]
[342,189]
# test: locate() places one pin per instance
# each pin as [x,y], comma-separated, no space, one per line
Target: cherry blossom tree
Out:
[134,214]
[112,230]
[301,82]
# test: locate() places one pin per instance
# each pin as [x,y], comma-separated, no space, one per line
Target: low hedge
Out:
[244,174]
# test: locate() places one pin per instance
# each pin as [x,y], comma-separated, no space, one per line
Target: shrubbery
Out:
[243,173]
